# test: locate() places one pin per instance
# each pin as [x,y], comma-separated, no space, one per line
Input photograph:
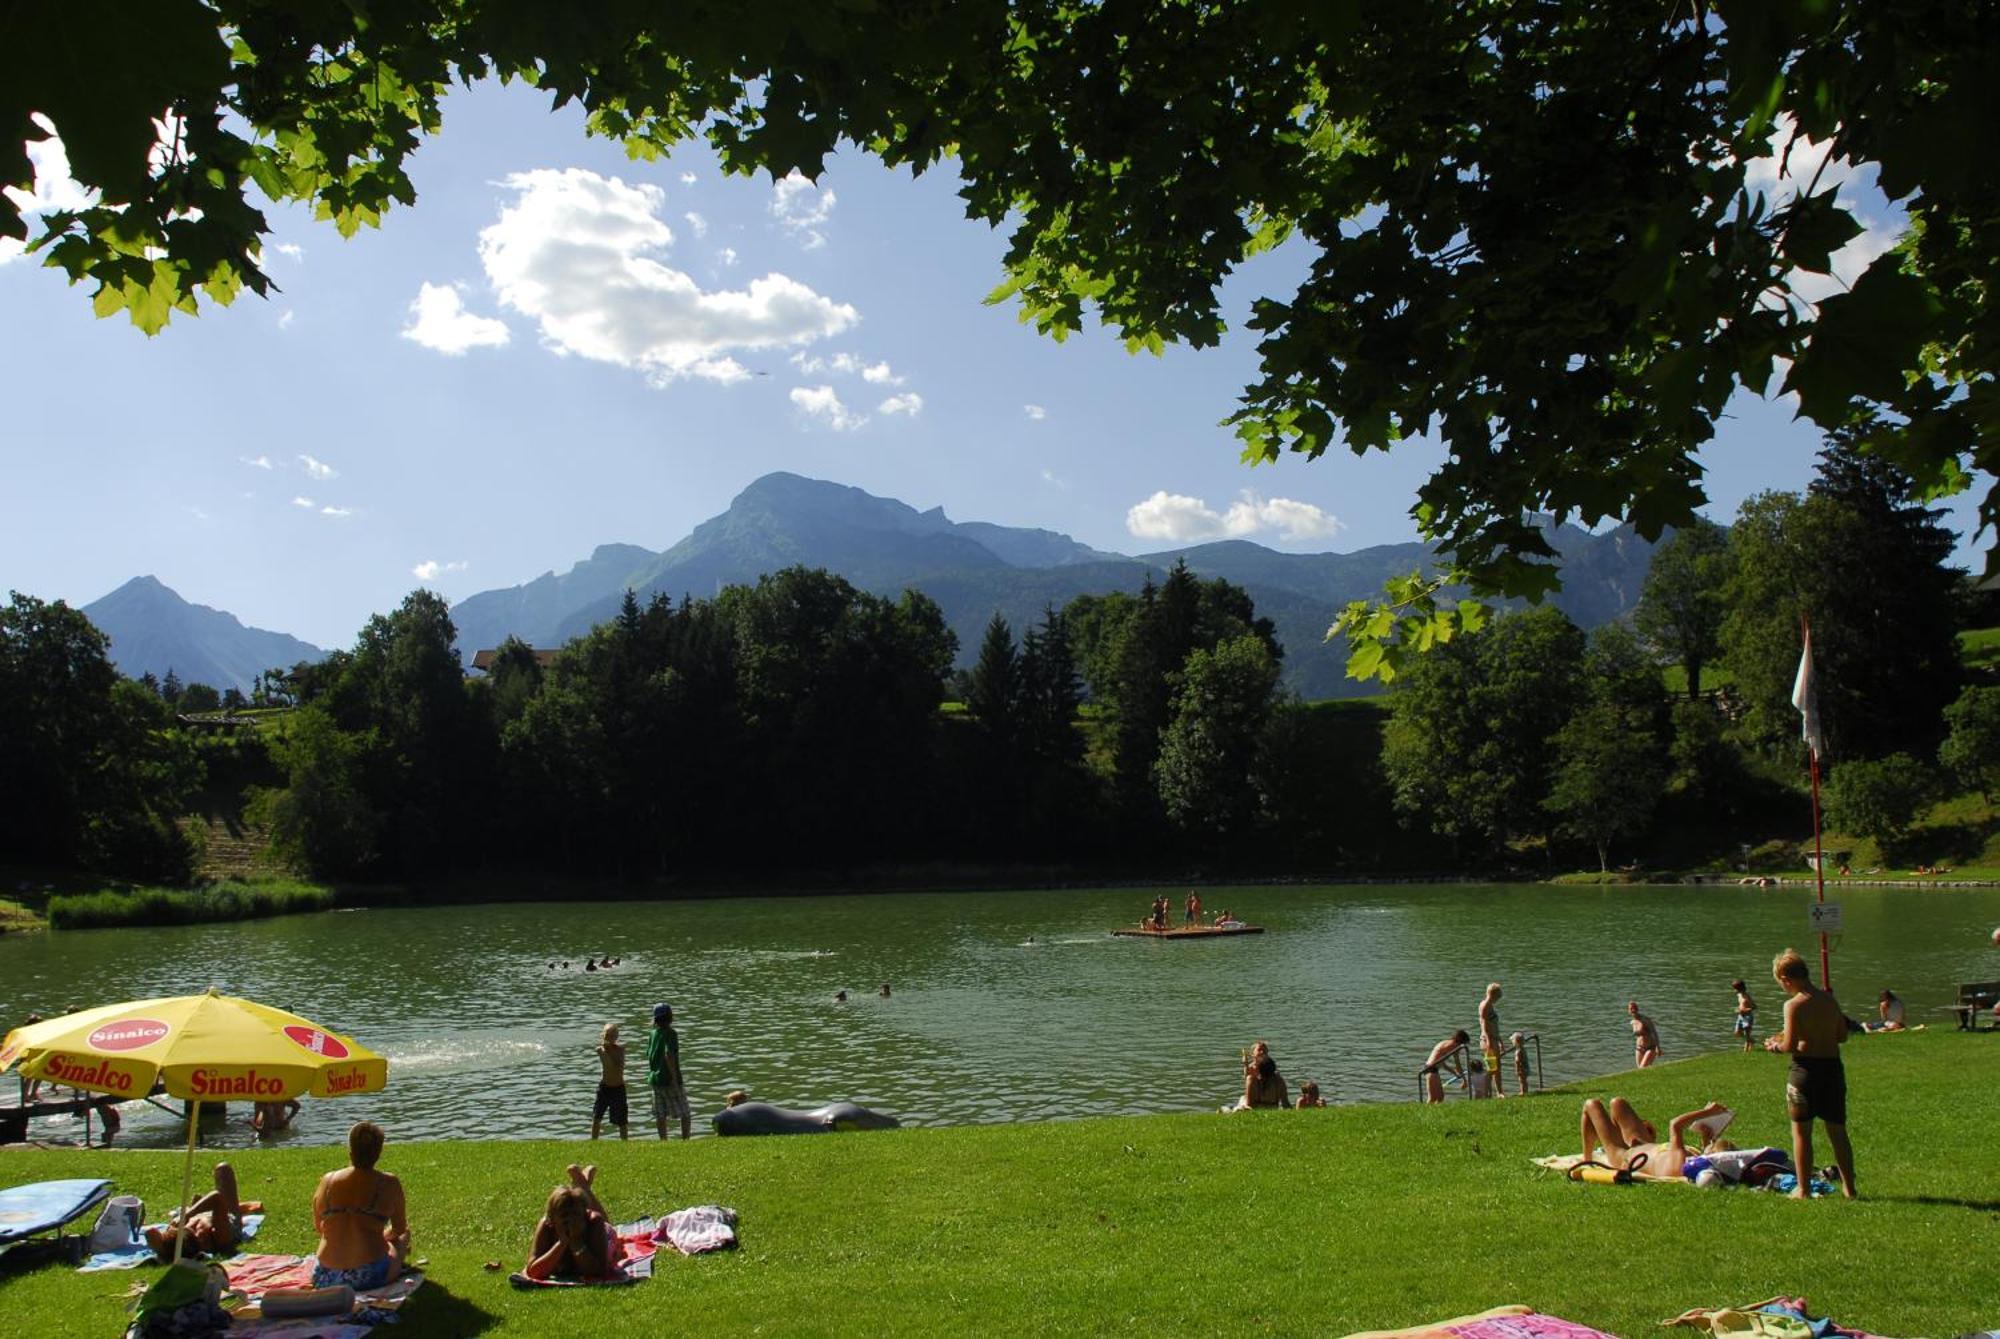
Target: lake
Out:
[1351,986]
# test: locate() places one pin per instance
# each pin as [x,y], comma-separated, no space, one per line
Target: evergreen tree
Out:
[1221,704]
[171,690]
[993,695]
[1051,690]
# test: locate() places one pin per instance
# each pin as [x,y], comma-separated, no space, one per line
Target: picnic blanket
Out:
[1776,1318]
[139,1253]
[1502,1322]
[636,1247]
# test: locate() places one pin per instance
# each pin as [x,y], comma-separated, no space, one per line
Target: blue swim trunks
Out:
[361,1278]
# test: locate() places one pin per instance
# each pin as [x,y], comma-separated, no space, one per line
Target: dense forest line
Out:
[803,725]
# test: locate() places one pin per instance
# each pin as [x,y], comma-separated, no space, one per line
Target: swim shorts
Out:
[670,1101]
[611,1099]
[1817,1088]
[1746,1023]
[361,1278]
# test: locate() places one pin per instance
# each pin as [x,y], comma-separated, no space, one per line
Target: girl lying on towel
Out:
[574,1237]
[1634,1144]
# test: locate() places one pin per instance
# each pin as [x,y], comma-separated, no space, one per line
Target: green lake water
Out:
[1351,986]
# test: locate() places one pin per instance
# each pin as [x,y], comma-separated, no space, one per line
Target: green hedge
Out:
[229,901]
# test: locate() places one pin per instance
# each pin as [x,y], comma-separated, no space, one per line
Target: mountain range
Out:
[975,569]
[153,630]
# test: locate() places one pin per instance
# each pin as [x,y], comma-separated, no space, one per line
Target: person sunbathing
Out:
[574,1236]
[212,1224]
[359,1212]
[1633,1144]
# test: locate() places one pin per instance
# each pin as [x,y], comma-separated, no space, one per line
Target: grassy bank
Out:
[228,901]
[1278,1222]
[15,918]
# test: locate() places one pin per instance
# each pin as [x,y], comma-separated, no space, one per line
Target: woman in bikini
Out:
[364,1236]
[1634,1143]
[575,1236]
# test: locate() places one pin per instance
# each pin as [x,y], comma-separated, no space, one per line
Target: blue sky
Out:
[559,347]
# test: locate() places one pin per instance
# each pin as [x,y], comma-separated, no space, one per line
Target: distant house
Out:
[482,661]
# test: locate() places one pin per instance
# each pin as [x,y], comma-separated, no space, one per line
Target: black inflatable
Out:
[763,1118]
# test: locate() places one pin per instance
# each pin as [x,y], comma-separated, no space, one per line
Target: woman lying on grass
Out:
[1634,1144]
[574,1237]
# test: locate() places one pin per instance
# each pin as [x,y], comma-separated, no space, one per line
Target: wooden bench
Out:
[1974,999]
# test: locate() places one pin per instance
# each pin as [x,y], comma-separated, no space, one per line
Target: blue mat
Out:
[31,1209]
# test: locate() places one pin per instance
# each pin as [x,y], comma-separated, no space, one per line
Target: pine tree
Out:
[993,691]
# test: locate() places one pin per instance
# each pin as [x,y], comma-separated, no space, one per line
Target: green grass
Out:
[14,917]
[1279,1222]
[1980,648]
[229,901]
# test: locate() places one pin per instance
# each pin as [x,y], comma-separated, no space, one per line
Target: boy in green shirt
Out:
[663,1072]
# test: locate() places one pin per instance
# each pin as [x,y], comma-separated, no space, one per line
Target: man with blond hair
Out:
[1816,1085]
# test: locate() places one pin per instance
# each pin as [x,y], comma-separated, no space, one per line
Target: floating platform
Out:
[1188,931]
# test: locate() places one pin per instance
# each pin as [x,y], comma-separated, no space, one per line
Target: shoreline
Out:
[257,899]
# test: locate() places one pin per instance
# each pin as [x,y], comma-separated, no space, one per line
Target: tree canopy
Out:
[1559,236]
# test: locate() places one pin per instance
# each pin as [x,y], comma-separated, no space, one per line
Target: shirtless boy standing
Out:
[1816,1086]
[1746,1013]
[1489,1028]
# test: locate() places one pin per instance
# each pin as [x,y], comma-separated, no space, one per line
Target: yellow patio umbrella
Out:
[202,1048]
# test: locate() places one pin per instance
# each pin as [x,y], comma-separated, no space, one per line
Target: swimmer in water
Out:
[590,966]
[840,997]
[884,992]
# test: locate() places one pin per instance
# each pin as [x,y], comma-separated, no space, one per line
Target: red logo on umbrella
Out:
[319,1043]
[127,1034]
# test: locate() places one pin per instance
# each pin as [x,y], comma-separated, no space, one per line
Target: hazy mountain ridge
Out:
[975,569]
[153,630]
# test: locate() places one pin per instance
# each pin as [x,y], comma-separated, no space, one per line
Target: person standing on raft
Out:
[1816,1084]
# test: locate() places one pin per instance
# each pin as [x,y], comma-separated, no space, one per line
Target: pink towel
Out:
[1531,1326]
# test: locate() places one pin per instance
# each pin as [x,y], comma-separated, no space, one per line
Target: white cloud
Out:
[431,569]
[822,403]
[1051,477]
[256,462]
[285,319]
[909,403]
[1796,162]
[727,255]
[1035,412]
[879,374]
[696,223]
[336,511]
[302,502]
[54,188]
[800,207]
[574,253]
[317,468]
[687,178]
[289,250]
[439,320]
[198,514]
[1179,518]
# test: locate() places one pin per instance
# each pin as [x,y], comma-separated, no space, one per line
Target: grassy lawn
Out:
[14,917]
[1283,1222]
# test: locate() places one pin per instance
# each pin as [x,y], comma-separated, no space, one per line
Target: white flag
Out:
[1805,696]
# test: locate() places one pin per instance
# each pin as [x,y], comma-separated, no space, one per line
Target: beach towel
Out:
[1776,1318]
[1502,1322]
[696,1231]
[637,1245]
[139,1253]
[263,1274]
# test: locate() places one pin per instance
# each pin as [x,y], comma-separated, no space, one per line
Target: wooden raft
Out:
[1188,931]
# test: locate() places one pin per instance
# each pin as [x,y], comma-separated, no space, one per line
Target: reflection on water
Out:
[489,1036]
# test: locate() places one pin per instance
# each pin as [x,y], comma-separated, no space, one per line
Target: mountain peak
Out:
[153,629]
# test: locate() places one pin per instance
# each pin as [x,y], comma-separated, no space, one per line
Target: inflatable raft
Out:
[1188,931]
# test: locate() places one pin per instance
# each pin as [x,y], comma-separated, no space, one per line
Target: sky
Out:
[559,347]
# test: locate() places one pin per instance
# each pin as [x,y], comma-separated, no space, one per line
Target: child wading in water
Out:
[1746,1013]
[610,1085]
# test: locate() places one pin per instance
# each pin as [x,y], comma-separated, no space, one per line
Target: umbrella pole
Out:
[187,1180]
